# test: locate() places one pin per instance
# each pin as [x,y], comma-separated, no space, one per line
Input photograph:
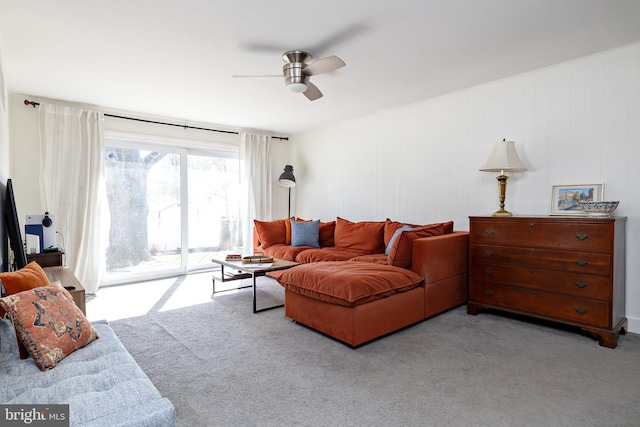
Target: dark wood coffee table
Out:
[236,270]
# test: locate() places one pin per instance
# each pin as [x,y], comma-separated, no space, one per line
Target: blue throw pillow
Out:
[305,233]
[395,236]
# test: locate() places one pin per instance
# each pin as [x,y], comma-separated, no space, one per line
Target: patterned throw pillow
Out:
[48,323]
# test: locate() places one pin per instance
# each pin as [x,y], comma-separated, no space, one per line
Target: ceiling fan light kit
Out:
[296,72]
[297,87]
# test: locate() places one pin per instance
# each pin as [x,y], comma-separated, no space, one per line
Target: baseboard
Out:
[633,325]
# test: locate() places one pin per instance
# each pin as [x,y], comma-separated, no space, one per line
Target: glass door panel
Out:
[144,194]
[214,208]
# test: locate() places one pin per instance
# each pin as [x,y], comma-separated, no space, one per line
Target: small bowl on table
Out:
[598,209]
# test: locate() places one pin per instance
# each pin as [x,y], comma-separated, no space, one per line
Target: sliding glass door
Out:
[170,209]
[214,208]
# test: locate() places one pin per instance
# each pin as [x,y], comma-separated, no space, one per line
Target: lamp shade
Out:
[287,179]
[503,158]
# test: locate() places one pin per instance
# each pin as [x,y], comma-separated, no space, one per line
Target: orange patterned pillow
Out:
[48,323]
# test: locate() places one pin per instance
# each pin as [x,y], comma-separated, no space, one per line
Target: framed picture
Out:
[565,198]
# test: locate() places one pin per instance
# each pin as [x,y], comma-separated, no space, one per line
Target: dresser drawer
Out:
[588,236]
[579,285]
[545,304]
[578,262]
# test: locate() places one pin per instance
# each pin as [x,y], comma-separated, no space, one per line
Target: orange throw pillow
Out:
[271,232]
[390,227]
[287,232]
[327,229]
[366,235]
[402,249]
[29,277]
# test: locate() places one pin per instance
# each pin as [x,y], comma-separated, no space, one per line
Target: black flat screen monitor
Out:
[13,228]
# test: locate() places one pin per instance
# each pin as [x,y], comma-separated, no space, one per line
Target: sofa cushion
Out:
[366,235]
[271,232]
[48,323]
[374,258]
[305,233]
[29,277]
[401,251]
[348,283]
[287,231]
[395,236]
[390,227]
[286,252]
[102,383]
[327,230]
[328,254]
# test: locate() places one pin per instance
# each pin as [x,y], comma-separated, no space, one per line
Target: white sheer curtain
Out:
[255,172]
[72,186]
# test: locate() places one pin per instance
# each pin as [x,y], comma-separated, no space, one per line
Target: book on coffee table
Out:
[257,259]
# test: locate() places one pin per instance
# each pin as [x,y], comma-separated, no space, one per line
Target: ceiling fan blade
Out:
[241,76]
[324,65]
[312,93]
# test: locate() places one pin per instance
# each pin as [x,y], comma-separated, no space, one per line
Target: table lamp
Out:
[503,158]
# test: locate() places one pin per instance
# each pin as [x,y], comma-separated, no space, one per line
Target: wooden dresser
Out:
[564,269]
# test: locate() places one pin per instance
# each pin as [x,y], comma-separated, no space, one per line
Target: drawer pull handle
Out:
[580,310]
[488,272]
[582,236]
[581,285]
[488,293]
[582,262]
[532,251]
[531,225]
[489,253]
[489,232]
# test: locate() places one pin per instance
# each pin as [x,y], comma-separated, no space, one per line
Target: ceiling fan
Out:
[296,72]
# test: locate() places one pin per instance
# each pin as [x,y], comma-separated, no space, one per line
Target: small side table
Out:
[66,278]
[46,259]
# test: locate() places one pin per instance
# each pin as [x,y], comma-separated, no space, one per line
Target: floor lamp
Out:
[288,180]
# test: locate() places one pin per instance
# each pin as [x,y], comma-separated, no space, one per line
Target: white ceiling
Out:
[175,58]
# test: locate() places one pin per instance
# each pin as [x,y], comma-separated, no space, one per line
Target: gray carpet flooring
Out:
[222,365]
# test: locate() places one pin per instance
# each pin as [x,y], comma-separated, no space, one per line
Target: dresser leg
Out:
[472,309]
[605,339]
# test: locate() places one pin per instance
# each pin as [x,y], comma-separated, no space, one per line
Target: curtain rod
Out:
[281,138]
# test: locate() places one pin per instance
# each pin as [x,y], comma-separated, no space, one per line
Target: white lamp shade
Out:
[286,182]
[503,158]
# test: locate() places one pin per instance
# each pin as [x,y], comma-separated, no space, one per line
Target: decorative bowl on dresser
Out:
[563,269]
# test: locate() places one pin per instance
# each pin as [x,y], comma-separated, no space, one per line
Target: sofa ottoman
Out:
[353,302]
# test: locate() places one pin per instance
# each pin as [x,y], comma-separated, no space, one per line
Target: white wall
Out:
[577,122]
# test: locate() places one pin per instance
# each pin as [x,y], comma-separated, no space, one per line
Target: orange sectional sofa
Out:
[359,282]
